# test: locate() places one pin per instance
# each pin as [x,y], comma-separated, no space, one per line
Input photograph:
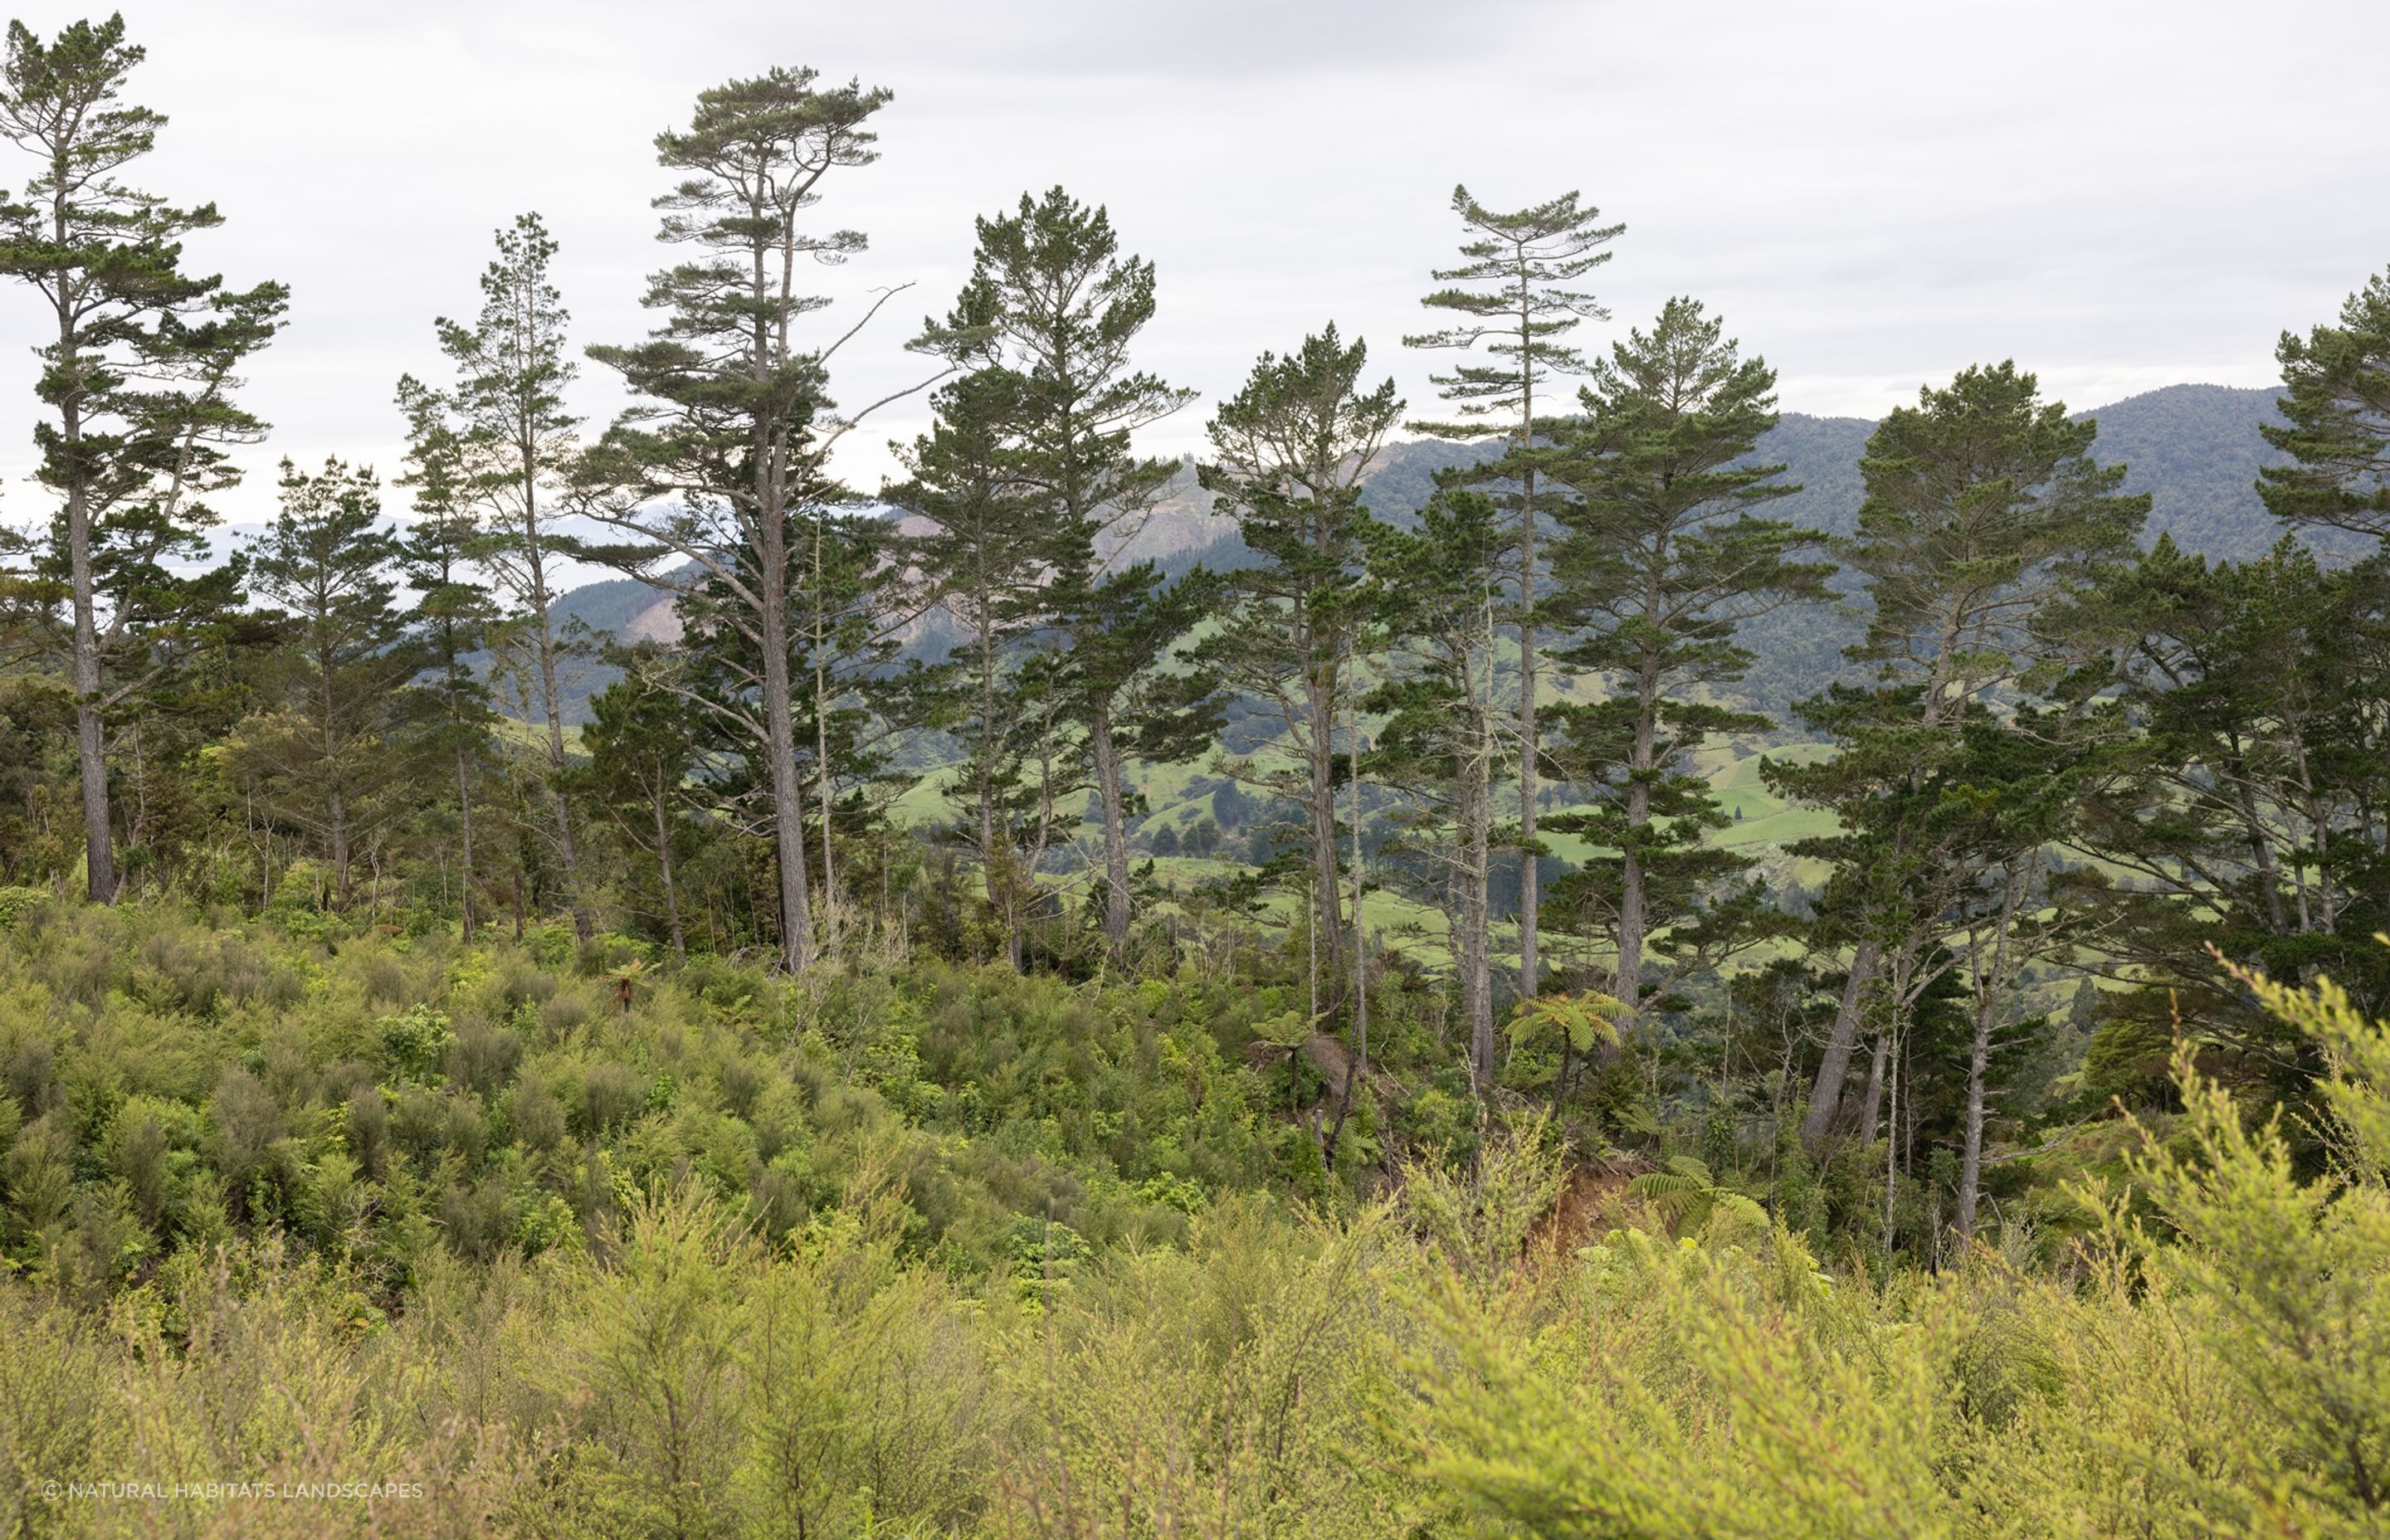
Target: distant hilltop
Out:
[2195,448]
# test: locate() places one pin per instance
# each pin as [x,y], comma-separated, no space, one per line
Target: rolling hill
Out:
[2195,448]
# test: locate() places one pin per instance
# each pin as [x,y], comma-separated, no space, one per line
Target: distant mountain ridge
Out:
[2195,448]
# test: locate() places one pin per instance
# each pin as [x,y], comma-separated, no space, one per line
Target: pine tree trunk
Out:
[1115,822]
[552,703]
[1834,1068]
[1871,1104]
[91,741]
[1634,899]
[1970,1160]
[1476,938]
[1360,923]
[1898,1002]
[1329,916]
[984,768]
[828,790]
[338,810]
[996,869]
[1530,743]
[780,753]
[1991,987]
[821,747]
[99,855]
[664,864]
[465,832]
[1891,1143]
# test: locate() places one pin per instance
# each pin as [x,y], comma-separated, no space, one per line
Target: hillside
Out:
[513,1238]
[2194,448]
[2197,450]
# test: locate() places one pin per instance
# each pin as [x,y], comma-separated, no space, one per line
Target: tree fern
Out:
[1685,1195]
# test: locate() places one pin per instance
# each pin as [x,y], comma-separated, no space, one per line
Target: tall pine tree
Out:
[330,756]
[513,446]
[1664,555]
[1984,517]
[723,465]
[1515,291]
[452,612]
[1291,449]
[1059,307]
[137,376]
[985,558]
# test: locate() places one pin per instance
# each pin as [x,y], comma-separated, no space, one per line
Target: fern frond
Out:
[1635,1118]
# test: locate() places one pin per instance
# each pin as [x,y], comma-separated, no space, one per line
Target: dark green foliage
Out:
[645,746]
[985,557]
[2336,399]
[1052,307]
[1663,557]
[1293,445]
[2242,813]
[327,752]
[139,360]
[1986,521]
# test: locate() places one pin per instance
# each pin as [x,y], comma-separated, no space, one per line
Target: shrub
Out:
[413,1044]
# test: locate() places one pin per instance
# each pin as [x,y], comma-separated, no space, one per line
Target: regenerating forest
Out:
[1582,958]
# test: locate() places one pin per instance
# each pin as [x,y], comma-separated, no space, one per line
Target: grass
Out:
[519,734]
[1765,824]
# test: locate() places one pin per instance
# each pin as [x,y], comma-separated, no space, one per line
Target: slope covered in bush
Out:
[547,1244]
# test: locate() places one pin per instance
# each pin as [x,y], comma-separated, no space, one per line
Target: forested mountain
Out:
[2194,449]
[1543,978]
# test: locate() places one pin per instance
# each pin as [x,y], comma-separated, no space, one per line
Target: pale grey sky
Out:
[2119,195]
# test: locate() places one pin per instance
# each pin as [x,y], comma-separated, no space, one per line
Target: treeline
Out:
[2075,761]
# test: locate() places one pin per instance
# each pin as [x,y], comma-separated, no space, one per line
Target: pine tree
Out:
[2246,808]
[1058,306]
[1292,447]
[723,465]
[329,757]
[2336,397]
[1984,516]
[453,614]
[1437,588]
[138,374]
[513,444]
[1664,555]
[1515,288]
[985,559]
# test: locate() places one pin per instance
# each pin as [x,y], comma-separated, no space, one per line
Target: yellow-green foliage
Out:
[166,1083]
[2224,1371]
[738,1291]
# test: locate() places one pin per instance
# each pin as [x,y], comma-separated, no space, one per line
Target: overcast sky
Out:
[2119,195]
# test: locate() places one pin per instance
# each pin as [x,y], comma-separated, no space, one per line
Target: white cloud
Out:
[2116,195]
